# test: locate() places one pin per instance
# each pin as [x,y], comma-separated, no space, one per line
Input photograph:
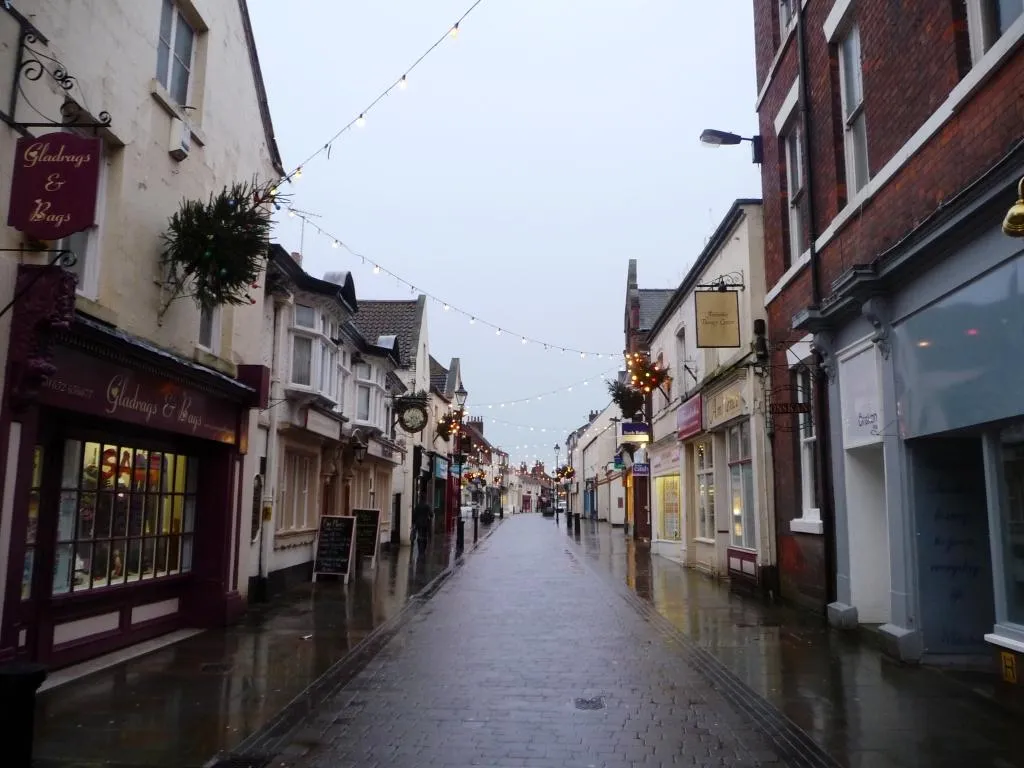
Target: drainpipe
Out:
[270,480]
[821,407]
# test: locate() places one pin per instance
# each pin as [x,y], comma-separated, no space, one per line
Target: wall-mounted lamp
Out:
[359,447]
[1013,224]
[460,397]
[715,138]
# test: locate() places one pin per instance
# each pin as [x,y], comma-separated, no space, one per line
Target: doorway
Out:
[868,523]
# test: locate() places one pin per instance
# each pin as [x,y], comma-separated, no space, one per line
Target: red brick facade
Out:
[913,55]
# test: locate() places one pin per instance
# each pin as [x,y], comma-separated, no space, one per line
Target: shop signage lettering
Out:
[861,398]
[718,319]
[89,385]
[724,406]
[641,470]
[787,409]
[54,185]
[690,418]
[633,432]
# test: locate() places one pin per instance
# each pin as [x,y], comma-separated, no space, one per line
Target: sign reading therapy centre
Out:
[54,185]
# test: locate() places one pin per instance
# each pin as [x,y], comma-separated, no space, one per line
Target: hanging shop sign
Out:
[690,418]
[641,470]
[440,468]
[633,432]
[54,185]
[718,319]
[87,384]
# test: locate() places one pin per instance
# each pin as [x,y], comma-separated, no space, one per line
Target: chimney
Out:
[594,415]
[297,257]
[478,424]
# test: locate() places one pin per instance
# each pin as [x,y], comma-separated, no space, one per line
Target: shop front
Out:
[122,495]
[732,460]
[929,430]
[668,531]
[373,480]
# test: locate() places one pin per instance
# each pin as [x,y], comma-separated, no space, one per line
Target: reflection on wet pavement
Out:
[861,708]
[180,705]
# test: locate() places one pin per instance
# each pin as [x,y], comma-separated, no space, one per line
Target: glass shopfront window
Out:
[741,486]
[667,489]
[31,530]
[1012,441]
[705,461]
[125,514]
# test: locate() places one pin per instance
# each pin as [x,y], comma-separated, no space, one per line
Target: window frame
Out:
[745,464]
[706,527]
[982,17]
[213,347]
[852,116]
[792,141]
[787,15]
[288,520]
[324,351]
[169,57]
[88,278]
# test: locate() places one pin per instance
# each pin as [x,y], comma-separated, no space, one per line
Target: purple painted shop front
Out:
[126,468]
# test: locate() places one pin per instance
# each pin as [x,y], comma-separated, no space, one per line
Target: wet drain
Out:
[590,704]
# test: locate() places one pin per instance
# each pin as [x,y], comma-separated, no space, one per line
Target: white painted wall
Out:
[867,514]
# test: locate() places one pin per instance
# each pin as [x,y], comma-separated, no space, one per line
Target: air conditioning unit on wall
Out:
[181,139]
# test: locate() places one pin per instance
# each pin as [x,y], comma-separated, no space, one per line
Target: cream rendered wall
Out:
[110,48]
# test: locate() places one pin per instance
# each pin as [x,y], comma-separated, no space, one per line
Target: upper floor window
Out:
[364,371]
[795,188]
[989,20]
[787,13]
[175,56]
[851,86]
[85,245]
[305,317]
[208,328]
[314,351]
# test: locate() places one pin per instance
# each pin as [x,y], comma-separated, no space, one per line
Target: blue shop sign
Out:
[440,468]
[641,470]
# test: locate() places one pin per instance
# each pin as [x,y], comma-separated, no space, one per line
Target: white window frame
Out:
[298,494]
[810,513]
[89,271]
[705,501]
[177,19]
[312,360]
[853,114]
[366,387]
[981,26]
[792,142]
[745,459]
[787,15]
[323,352]
[213,346]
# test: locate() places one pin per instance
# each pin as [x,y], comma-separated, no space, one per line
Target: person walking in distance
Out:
[421,520]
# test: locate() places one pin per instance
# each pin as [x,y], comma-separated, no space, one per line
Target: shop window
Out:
[175,57]
[989,20]
[32,528]
[126,514]
[667,489]
[705,462]
[1013,525]
[298,492]
[741,486]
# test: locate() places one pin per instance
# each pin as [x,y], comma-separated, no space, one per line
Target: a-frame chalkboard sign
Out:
[367,534]
[335,545]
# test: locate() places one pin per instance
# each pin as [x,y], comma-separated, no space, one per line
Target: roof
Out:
[336,285]
[734,215]
[261,88]
[401,318]
[438,375]
[652,302]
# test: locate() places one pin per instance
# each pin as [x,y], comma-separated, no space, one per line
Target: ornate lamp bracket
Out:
[876,311]
[824,345]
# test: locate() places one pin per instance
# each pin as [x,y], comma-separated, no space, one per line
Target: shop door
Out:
[642,507]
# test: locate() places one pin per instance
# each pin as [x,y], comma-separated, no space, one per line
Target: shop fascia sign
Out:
[54,185]
[690,418]
[633,432]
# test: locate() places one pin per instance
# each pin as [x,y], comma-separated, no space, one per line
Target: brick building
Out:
[893,139]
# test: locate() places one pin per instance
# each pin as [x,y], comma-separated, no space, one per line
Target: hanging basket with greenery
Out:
[629,400]
[214,251]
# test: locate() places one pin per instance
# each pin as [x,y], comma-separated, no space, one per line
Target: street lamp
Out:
[460,396]
[554,486]
[460,526]
[715,138]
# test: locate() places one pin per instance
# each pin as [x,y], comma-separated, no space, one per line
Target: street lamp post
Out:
[460,524]
[554,482]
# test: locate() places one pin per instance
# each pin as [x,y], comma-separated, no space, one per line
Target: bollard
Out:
[19,681]
[576,523]
[460,534]
[476,528]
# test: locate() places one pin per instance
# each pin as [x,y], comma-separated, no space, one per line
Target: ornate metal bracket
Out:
[824,344]
[730,281]
[31,65]
[63,257]
[876,312]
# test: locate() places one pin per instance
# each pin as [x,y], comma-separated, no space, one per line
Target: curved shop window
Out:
[125,514]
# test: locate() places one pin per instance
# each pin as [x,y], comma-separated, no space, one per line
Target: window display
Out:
[125,514]
[32,527]
[741,486]
[668,503]
[705,460]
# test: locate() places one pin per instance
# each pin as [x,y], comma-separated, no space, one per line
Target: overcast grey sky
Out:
[526,162]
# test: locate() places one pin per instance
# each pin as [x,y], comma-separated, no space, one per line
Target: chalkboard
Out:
[334,544]
[367,533]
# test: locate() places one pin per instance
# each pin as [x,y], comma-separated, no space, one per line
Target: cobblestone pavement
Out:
[526,658]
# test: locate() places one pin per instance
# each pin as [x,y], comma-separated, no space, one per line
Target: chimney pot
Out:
[297,257]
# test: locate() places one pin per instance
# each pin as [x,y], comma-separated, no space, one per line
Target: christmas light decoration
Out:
[499,330]
[644,374]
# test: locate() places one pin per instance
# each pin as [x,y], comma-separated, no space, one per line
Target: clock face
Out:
[413,419]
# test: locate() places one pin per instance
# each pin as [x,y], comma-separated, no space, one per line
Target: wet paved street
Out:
[543,649]
[526,658]
[220,689]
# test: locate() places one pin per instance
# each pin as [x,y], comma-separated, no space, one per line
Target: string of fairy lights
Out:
[447,306]
[603,376]
[401,83]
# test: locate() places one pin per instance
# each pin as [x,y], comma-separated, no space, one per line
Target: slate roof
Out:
[438,375]
[401,318]
[652,301]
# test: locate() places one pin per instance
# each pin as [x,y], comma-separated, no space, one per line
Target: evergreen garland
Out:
[217,248]
[629,400]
